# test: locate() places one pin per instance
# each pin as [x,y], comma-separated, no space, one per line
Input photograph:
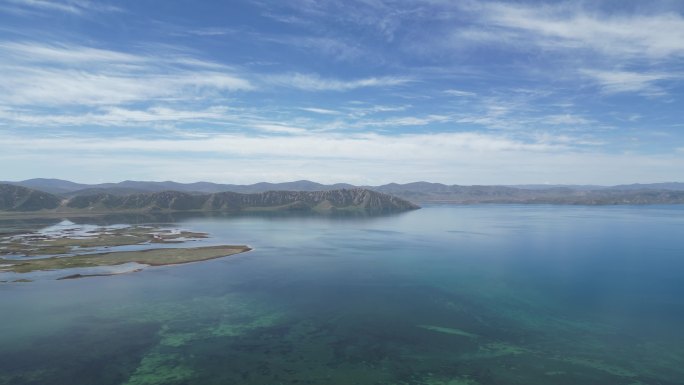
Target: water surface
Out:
[493,294]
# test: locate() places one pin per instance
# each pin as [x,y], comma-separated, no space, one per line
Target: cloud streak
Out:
[463,158]
[54,75]
[73,7]
[613,82]
[569,26]
[314,82]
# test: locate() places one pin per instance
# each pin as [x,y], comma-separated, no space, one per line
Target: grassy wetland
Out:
[69,246]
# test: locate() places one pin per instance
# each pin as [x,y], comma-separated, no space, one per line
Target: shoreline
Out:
[151,258]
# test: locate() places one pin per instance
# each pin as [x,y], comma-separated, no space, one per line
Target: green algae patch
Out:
[151,257]
[445,330]
[190,328]
[450,381]
[496,349]
[600,365]
[160,369]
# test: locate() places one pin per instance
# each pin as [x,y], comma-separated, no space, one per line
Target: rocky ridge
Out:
[16,198]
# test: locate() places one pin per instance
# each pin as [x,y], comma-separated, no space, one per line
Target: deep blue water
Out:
[491,294]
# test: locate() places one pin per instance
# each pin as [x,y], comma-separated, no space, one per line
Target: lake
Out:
[457,295]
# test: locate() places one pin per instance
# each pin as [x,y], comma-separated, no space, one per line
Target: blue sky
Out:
[366,92]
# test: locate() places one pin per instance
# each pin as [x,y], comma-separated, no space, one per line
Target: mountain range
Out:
[15,198]
[419,192]
[65,187]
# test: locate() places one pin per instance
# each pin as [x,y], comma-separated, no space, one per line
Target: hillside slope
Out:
[16,198]
[421,192]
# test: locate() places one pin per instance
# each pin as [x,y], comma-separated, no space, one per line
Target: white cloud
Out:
[314,82]
[322,111]
[114,116]
[210,31]
[68,74]
[75,7]
[64,54]
[49,5]
[277,128]
[336,48]
[566,119]
[406,121]
[361,109]
[459,93]
[307,146]
[51,75]
[570,26]
[465,158]
[27,86]
[644,46]
[612,82]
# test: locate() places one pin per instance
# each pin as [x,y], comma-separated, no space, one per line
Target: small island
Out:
[74,248]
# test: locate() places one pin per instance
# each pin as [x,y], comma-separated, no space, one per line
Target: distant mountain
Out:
[674,186]
[414,187]
[435,192]
[52,186]
[16,198]
[120,191]
[421,192]
[583,187]
[549,195]
[67,188]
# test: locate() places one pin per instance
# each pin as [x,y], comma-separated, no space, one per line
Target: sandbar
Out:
[151,257]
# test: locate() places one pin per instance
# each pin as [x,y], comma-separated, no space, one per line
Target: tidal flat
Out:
[447,295]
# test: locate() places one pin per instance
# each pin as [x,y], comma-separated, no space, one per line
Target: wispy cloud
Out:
[210,31]
[278,128]
[566,119]
[571,26]
[314,82]
[323,111]
[40,74]
[364,146]
[479,158]
[336,48]
[459,93]
[384,18]
[64,54]
[114,116]
[48,5]
[407,121]
[645,47]
[612,82]
[75,7]
[360,109]
[67,87]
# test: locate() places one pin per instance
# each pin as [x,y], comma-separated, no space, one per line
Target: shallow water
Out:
[494,294]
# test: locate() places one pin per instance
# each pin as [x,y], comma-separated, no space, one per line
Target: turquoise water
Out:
[494,294]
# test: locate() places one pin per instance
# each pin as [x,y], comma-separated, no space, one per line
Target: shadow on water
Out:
[14,225]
